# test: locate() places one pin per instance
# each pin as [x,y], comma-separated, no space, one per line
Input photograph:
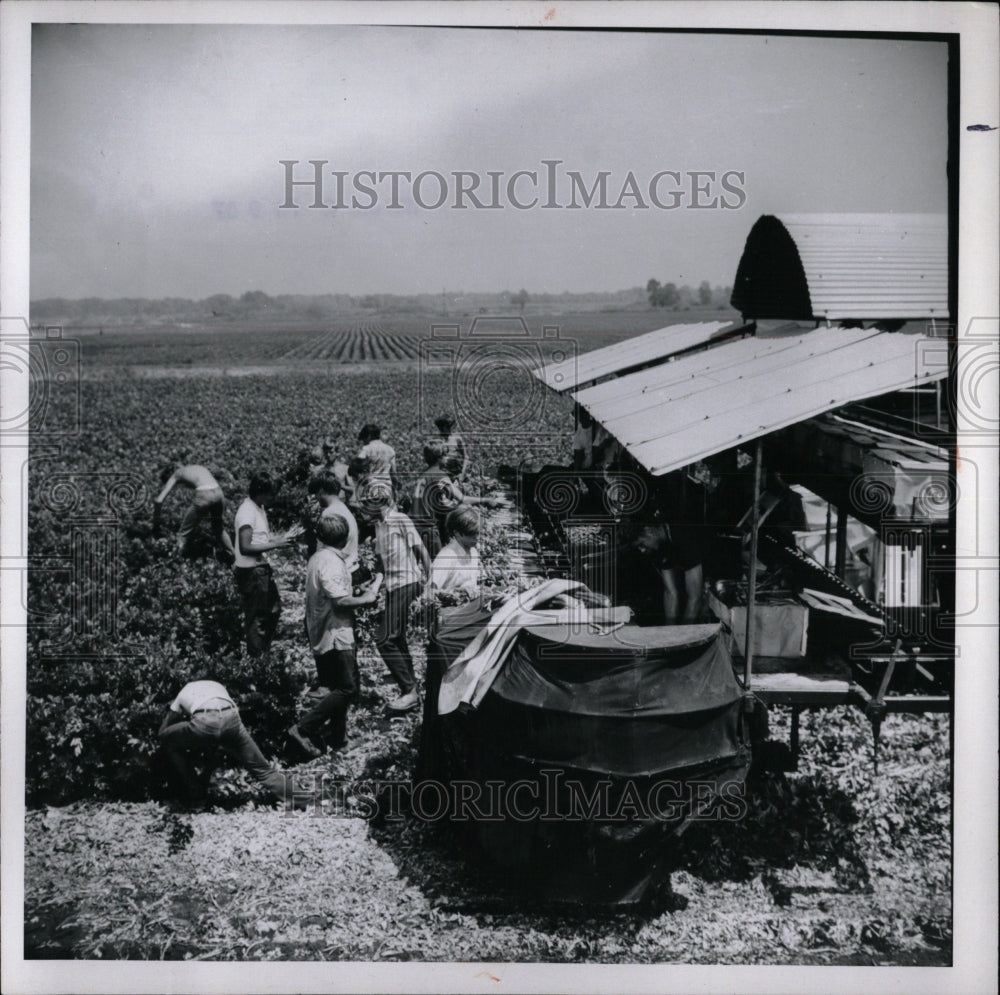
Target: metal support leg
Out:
[875,709]
[840,554]
[829,525]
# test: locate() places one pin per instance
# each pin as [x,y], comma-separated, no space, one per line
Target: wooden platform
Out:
[802,689]
[818,690]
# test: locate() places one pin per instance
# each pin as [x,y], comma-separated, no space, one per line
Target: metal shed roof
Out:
[672,415]
[656,345]
[839,266]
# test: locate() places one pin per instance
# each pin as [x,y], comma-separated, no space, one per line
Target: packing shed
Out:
[835,380]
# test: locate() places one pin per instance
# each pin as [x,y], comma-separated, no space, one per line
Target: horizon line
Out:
[378,293]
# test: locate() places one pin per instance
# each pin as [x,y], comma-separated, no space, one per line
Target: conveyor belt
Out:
[524,552]
[809,573]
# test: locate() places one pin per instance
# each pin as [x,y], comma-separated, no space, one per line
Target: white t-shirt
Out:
[380,460]
[252,514]
[456,569]
[337,507]
[198,693]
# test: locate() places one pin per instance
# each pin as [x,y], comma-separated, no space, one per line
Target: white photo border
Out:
[975,719]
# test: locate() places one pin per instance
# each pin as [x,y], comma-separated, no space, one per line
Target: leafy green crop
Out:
[96,692]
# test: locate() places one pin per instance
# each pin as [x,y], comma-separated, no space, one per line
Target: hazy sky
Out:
[156,149]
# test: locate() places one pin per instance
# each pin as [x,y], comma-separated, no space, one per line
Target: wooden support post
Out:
[752,588]
[875,708]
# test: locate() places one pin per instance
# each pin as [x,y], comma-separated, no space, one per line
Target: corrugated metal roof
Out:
[862,266]
[647,348]
[873,265]
[672,415]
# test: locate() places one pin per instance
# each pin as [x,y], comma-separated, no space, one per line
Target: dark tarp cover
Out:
[637,701]
[592,716]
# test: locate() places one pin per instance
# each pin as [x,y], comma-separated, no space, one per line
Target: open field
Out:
[834,864]
[388,337]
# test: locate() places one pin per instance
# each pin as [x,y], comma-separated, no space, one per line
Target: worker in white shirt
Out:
[202,716]
[207,502]
[378,459]
[330,608]
[327,491]
[456,568]
[254,578]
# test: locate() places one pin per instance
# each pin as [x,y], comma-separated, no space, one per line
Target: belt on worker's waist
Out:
[225,708]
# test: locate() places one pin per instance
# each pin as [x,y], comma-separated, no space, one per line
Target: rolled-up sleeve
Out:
[334,580]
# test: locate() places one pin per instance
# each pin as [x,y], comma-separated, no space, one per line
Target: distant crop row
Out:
[367,341]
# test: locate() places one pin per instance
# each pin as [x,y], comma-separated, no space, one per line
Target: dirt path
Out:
[180,372]
[264,885]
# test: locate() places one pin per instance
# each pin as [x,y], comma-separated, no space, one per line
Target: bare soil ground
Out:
[137,882]
[832,865]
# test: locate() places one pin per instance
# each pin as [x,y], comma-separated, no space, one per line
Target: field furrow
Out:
[366,341]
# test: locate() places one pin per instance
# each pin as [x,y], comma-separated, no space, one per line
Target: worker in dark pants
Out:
[406,565]
[202,717]
[258,592]
[330,608]
[675,552]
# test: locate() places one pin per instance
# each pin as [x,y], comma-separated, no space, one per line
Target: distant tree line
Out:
[669,295]
[255,305]
[217,308]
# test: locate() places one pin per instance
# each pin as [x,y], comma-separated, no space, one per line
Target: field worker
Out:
[456,568]
[258,593]
[433,497]
[674,551]
[453,468]
[379,459]
[327,491]
[406,566]
[202,716]
[323,456]
[454,445]
[355,472]
[207,502]
[606,449]
[326,458]
[583,440]
[330,626]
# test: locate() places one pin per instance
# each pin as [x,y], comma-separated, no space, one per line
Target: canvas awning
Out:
[675,414]
[655,346]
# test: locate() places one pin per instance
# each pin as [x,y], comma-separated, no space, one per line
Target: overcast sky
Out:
[156,150]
